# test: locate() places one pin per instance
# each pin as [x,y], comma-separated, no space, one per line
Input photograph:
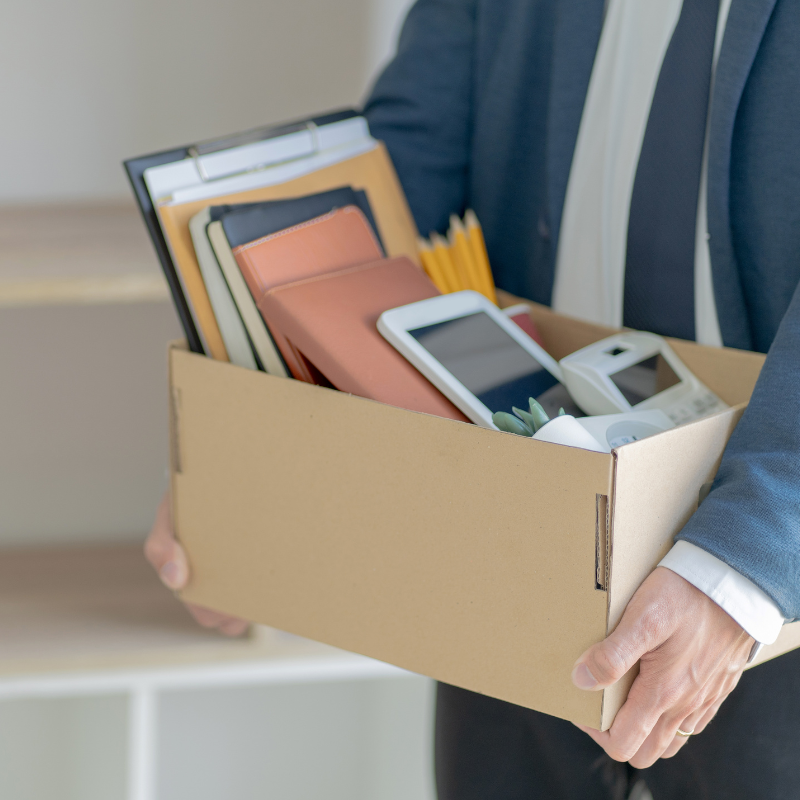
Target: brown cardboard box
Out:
[475,557]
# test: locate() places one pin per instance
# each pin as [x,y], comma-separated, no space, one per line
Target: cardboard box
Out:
[475,557]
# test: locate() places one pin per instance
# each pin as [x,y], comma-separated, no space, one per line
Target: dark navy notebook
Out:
[250,221]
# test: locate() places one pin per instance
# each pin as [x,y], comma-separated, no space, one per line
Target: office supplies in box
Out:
[481,559]
[286,161]
[332,242]
[478,558]
[330,320]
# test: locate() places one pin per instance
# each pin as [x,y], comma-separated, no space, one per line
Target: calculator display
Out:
[644,380]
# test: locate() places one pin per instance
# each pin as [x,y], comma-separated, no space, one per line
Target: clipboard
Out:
[371,171]
[135,169]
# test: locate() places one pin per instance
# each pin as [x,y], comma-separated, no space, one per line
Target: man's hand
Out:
[169,559]
[692,656]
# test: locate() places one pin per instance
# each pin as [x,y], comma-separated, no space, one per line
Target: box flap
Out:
[561,335]
[430,544]
[730,374]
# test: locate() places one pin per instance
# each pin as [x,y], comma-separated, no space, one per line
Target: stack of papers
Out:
[283,246]
[185,193]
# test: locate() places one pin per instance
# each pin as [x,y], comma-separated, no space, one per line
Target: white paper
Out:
[294,154]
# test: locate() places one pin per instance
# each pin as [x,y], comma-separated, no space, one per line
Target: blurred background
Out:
[107,689]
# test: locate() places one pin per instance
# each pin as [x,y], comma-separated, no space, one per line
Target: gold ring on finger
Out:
[685,734]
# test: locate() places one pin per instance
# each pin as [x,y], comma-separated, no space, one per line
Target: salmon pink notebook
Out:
[331,322]
[342,238]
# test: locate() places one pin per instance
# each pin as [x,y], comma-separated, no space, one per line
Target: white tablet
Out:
[478,358]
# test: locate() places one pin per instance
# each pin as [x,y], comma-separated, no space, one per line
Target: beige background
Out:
[83,398]
[83,435]
[90,82]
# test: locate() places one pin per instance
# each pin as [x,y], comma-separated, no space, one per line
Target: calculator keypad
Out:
[697,407]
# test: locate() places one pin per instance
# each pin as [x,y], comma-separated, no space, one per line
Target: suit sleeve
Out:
[422,106]
[751,519]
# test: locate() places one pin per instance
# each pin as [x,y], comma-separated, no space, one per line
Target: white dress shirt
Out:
[590,272]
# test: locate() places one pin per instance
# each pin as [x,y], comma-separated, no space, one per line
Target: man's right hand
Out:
[169,560]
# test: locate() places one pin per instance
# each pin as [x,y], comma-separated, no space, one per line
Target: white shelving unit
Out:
[85,318]
[105,678]
[108,689]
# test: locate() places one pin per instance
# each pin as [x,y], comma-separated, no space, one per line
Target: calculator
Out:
[636,371]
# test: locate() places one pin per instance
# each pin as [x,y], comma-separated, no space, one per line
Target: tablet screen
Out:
[492,365]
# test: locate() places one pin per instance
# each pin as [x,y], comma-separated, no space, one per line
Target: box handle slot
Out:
[602,544]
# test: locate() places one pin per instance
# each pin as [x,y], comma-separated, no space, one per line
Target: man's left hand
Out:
[692,655]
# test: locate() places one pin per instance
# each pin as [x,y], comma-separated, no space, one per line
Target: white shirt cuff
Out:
[749,605]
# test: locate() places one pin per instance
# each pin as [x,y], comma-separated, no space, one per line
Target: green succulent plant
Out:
[525,423]
[539,415]
[527,418]
[510,424]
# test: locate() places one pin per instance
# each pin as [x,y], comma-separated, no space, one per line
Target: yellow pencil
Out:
[481,255]
[431,265]
[442,251]
[462,255]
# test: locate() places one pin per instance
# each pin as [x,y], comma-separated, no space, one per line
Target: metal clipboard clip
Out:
[198,151]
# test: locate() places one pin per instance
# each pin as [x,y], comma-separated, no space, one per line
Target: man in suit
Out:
[636,163]
[632,163]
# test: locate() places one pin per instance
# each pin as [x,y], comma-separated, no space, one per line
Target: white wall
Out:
[83,432]
[386,20]
[83,389]
[83,421]
[89,82]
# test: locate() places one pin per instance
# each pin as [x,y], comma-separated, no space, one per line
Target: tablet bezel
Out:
[394,326]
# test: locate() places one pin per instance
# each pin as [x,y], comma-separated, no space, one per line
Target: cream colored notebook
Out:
[256,327]
[231,327]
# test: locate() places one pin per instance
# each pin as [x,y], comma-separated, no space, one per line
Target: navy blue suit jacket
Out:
[481,109]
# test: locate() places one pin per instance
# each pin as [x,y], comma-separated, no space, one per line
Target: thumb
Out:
[164,552]
[174,573]
[606,663]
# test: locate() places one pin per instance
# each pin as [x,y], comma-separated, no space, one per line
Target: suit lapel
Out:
[577,33]
[747,22]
